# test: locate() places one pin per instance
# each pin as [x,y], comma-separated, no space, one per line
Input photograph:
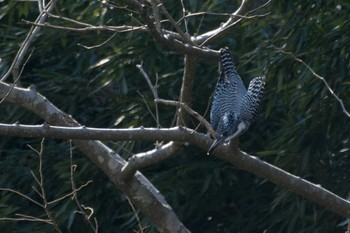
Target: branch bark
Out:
[112,164]
[138,189]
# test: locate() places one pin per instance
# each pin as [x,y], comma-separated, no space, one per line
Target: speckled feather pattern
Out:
[233,103]
[229,90]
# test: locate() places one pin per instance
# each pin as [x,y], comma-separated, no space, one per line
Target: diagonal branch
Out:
[22,52]
[141,192]
[226,27]
[148,158]
[138,189]
[170,39]
[296,184]
[346,112]
[233,155]
[184,36]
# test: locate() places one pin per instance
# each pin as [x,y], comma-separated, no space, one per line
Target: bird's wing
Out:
[229,89]
[251,101]
[216,109]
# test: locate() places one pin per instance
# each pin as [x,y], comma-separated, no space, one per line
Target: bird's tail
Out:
[253,98]
[226,60]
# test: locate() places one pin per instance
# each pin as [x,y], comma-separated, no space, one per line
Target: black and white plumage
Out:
[234,107]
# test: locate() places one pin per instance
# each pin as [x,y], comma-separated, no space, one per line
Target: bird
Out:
[234,107]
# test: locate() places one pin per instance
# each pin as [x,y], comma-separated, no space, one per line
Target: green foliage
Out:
[301,127]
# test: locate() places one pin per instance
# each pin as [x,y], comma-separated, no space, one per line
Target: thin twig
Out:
[156,16]
[17,78]
[184,16]
[222,14]
[88,28]
[346,112]
[190,111]
[40,182]
[174,23]
[16,63]
[43,192]
[141,228]
[153,89]
[98,45]
[71,193]
[259,7]
[32,219]
[22,195]
[81,207]
[148,108]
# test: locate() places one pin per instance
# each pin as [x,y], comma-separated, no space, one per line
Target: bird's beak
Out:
[218,141]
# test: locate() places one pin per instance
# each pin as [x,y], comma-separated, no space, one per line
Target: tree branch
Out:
[149,158]
[138,189]
[186,88]
[313,192]
[124,28]
[236,157]
[190,111]
[346,112]
[226,27]
[169,39]
[22,52]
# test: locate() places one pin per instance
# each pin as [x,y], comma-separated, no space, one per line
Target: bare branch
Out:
[153,89]
[156,15]
[296,184]
[22,52]
[124,28]
[27,218]
[42,188]
[184,15]
[156,208]
[190,111]
[107,134]
[226,27]
[186,88]
[185,37]
[70,194]
[22,195]
[240,159]
[149,158]
[170,39]
[138,188]
[222,14]
[75,195]
[346,112]
[141,228]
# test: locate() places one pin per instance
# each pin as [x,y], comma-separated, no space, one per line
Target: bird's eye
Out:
[224,134]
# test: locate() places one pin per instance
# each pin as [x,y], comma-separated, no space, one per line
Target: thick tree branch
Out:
[169,39]
[86,133]
[138,189]
[290,182]
[186,88]
[113,163]
[149,158]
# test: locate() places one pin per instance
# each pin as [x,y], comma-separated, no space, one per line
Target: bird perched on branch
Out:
[234,107]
